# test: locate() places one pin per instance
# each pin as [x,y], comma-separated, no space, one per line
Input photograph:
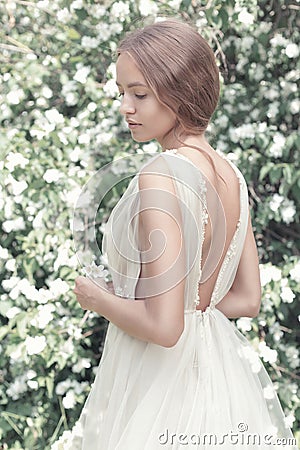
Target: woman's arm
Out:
[244,296]
[159,316]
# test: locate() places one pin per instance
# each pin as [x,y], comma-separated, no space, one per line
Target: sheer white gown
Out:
[210,390]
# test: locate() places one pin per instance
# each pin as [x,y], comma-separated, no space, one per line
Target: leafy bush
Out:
[59,123]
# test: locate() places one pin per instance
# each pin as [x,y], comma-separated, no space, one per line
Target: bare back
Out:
[229,196]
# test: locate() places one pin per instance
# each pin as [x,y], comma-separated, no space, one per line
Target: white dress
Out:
[210,390]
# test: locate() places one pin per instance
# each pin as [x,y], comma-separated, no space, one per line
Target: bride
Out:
[175,371]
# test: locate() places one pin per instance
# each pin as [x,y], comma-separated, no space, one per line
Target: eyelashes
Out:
[140,97]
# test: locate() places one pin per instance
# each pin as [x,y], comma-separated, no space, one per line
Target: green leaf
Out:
[73,34]
[265,170]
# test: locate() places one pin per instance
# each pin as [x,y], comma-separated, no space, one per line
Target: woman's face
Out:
[147,118]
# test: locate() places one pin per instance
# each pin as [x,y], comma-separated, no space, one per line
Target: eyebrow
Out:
[135,83]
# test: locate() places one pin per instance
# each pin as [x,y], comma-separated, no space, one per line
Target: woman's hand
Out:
[89,294]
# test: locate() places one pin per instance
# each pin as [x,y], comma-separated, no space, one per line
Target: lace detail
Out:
[229,255]
[232,247]
[122,291]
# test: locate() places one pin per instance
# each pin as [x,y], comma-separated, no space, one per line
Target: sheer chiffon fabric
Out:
[208,391]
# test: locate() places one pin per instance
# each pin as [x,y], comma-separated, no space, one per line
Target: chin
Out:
[141,139]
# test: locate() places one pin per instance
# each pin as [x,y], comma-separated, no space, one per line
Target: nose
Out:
[127,106]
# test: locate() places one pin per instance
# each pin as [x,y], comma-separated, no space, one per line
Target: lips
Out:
[132,122]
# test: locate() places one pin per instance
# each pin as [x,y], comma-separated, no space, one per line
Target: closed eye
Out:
[140,97]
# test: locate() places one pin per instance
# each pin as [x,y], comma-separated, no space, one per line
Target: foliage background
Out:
[59,123]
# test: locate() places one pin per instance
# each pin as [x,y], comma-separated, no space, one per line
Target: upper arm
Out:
[247,279]
[161,282]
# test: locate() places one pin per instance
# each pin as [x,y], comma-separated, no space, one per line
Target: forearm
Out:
[235,305]
[129,315]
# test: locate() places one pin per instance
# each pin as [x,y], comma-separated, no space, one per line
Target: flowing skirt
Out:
[209,391]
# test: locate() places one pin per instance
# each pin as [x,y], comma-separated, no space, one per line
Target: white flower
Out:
[267,353]
[46,92]
[62,387]
[77,4]
[295,273]
[69,400]
[44,295]
[245,17]
[52,175]
[75,154]
[246,131]
[279,40]
[89,42]
[288,211]
[104,31]
[13,225]
[276,331]
[82,74]
[273,109]
[276,202]
[295,106]
[12,312]
[84,138]
[148,7]
[31,374]
[95,271]
[287,295]
[244,324]
[110,88]
[97,11]
[16,354]
[292,50]
[11,283]
[63,258]
[278,145]
[15,159]
[174,4]
[35,345]
[67,349]
[83,363]
[10,265]
[38,220]
[30,292]
[271,93]
[58,287]
[44,316]
[15,97]
[63,15]
[115,28]
[33,384]
[120,11]
[4,253]
[152,147]
[269,273]
[17,186]
[54,117]
[92,106]
[78,224]
[17,388]
[292,354]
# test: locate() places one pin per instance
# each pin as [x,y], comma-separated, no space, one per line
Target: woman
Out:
[174,370]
